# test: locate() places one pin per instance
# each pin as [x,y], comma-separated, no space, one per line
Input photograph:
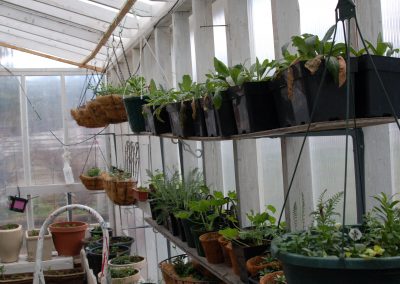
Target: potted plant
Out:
[95,255]
[141,194]
[19,278]
[135,97]
[156,118]
[272,277]
[91,242]
[124,275]
[258,263]
[67,276]
[98,231]
[331,253]
[92,179]
[298,78]
[120,187]
[251,93]
[254,240]
[11,236]
[370,98]
[119,240]
[68,236]
[31,238]
[134,261]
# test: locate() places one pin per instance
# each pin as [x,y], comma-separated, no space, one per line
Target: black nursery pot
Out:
[243,254]
[297,110]
[172,224]
[187,225]
[254,107]
[95,256]
[181,120]
[181,230]
[197,231]
[370,98]
[220,122]
[152,124]
[94,232]
[134,109]
[199,122]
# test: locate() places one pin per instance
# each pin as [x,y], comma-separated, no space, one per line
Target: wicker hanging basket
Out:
[85,118]
[95,109]
[113,107]
[120,192]
[92,183]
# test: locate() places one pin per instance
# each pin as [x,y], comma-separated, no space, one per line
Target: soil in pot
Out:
[211,247]
[295,108]
[133,107]
[31,239]
[180,117]
[11,236]
[67,276]
[370,98]
[254,107]
[95,256]
[20,278]
[68,236]
[153,124]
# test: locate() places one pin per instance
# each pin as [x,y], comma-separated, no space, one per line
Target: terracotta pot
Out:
[68,236]
[31,243]
[211,247]
[10,244]
[234,261]
[223,242]
[140,195]
[257,263]
[270,277]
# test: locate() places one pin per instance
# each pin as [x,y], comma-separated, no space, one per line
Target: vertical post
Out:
[286,22]
[162,42]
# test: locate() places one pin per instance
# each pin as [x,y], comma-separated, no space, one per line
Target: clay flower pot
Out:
[141,194]
[10,242]
[257,263]
[234,261]
[31,238]
[270,277]
[211,247]
[68,236]
[223,243]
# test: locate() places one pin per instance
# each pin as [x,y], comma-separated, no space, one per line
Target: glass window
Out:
[220,45]
[45,116]
[391,22]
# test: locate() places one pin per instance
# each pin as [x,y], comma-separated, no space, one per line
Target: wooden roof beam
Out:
[124,10]
[59,59]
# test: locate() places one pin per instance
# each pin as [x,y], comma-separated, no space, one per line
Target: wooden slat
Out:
[125,9]
[59,59]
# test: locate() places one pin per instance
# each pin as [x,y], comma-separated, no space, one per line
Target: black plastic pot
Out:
[199,122]
[153,124]
[245,253]
[254,107]
[173,225]
[181,231]
[197,231]
[134,109]
[370,98]
[254,280]
[119,240]
[181,120]
[301,269]
[187,225]
[94,256]
[94,232]
[297,109]
[220,122]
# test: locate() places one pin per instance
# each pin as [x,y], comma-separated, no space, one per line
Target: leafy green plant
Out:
[9,227]
[280,279]
[122,272]
[120,175]
[93,172]
[183,268]
[136,86]
[381,48]
[126,259]
[107,89]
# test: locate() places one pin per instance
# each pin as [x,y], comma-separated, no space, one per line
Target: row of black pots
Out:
[257,106]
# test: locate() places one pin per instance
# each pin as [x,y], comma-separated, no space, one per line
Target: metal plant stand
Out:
[39,277]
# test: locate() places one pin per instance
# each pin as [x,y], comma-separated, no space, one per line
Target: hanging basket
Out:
[120,192]
[95,109]
[113,107]
[85,118]
[92,183]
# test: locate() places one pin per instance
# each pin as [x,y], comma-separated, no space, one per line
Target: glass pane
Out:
[327,167]
[220,45]
[391,22]
[11,165]
[46,152]
[395,156]
[321,12]
[44,205]
[97,201]
[262,29]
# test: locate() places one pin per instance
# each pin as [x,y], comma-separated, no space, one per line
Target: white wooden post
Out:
[162,37]
[286,22]
[369,17]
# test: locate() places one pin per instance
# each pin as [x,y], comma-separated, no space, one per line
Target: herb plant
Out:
[381,48]
[122,272]
[93,172]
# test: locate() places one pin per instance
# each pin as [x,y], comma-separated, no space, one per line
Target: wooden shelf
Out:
[221,271]
[299,129]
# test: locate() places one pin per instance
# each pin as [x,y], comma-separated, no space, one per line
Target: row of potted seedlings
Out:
[268,94]
[323,252]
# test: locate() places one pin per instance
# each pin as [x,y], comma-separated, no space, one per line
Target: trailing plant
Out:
[379,235]
[381,48]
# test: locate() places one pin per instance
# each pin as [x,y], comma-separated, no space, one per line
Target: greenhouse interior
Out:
[200,141]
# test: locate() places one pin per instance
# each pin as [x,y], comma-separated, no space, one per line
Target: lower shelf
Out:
[221,271]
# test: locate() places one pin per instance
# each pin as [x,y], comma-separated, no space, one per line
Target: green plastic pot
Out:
[300,269]
[133,107]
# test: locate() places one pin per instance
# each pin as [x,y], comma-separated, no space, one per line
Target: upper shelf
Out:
[279,132]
